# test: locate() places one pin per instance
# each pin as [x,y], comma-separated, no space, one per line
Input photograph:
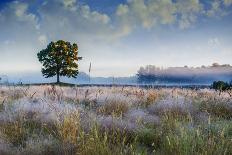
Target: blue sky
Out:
[117,36]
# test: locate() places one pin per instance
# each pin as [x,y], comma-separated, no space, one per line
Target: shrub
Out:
[220,85]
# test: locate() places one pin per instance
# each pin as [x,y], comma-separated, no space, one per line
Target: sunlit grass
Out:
[116,108]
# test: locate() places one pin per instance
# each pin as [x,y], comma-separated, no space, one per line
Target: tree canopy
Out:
[221,85]
[59,59]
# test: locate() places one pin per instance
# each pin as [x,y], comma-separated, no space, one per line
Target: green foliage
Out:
[221,86]
[60,59]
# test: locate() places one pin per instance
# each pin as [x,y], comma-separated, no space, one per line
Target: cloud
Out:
[147,15]
[16,21]
[216,9]
[214,42]
[151,13]
[20,10]
[50,20]
[72,19]
[26,26]
[122,10]
[94,15]
[227,2]
[69,3]
[188,10]
[56,18]
[42,39]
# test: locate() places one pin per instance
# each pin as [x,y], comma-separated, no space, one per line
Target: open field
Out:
[114,120]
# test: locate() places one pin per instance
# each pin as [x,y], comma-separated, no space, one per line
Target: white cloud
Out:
[94,31]
[82,24]
[150,13]
[122,10]
[71,19]
[69,3]
[146,14]
[94,16]
[20,11]
[17,22]
[188,11]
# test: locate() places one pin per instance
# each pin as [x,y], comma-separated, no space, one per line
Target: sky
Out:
[117,36]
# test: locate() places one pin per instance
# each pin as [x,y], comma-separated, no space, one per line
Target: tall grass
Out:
[89,121]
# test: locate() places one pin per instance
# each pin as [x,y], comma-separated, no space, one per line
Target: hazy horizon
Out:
[118,36]
[33,72]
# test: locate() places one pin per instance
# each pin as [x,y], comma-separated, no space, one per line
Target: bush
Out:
[221,86]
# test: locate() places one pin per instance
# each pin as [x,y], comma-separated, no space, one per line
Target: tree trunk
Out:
[58,76]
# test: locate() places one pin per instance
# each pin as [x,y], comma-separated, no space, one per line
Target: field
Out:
[114,120]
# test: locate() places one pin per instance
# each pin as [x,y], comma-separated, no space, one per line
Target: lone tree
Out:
[60,59]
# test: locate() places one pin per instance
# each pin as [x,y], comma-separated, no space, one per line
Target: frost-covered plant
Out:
[118,120]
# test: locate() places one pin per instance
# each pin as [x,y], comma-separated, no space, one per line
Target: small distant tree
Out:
[230,89]
[220,86]
[59,59]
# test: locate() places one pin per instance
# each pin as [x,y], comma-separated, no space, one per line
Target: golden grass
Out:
[116,108]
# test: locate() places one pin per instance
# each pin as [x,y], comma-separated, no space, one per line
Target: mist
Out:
[196,75]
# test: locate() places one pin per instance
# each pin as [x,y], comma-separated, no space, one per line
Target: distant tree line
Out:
[203,74]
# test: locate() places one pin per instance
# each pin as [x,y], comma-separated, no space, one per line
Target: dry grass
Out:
[217,108]
[115,108]
[126,120]
[69,128]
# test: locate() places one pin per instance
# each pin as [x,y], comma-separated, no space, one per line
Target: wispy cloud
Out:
[30,26]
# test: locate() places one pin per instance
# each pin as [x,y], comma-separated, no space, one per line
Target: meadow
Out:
[114,121]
